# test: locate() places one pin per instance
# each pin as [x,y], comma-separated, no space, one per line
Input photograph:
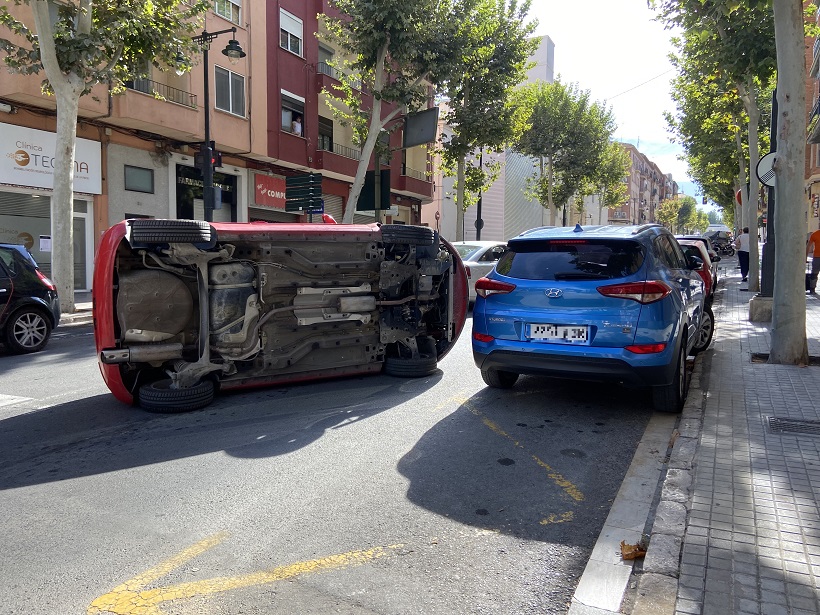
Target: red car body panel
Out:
[116,239]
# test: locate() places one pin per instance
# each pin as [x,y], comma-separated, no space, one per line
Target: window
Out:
[325,134]
[230,91]
[229,9]
[290,32]
[562,259]
[292,108]
[138,179]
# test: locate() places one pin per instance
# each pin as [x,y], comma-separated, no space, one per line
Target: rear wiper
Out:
[581,276]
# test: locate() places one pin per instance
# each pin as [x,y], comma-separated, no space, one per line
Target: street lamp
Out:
[234,53]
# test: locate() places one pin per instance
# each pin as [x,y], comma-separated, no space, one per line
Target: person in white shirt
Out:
[742,245]
[296,125]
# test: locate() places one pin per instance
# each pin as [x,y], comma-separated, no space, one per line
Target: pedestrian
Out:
[813,250]
[742,245]
[296,125]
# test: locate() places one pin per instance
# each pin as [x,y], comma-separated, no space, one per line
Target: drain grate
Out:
[778,425]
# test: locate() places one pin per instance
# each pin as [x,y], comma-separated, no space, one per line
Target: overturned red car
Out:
[183,308]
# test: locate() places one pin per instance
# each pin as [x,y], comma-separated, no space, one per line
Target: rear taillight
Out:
[49,284]
[482,337]
[642,292]
[646,348]
[485,287]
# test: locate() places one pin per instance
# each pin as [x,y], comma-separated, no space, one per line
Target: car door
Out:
[6,286]
[488,260]
[688,282]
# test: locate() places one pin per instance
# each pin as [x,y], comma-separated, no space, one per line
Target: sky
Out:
[616,50]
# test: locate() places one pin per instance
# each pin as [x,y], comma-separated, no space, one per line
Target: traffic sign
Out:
[308,179]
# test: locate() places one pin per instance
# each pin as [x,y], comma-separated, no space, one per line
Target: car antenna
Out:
[577,228]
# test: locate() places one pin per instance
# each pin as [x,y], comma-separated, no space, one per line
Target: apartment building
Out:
[136,151]
[812,166]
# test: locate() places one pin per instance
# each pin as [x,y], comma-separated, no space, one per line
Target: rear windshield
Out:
[571,259]
[465,251]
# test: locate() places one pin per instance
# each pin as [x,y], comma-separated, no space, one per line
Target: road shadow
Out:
[99,434]
[537,461]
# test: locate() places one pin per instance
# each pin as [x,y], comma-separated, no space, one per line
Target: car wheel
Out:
[160,397]
[499,379]
[27,330]
[670,398]
[404,367]
[706,331]
[171,231]
[403,233]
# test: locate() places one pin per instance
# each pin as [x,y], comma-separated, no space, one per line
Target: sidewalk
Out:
[737,528]
[82,311]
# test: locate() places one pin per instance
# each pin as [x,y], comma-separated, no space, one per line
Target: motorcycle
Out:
[725,249]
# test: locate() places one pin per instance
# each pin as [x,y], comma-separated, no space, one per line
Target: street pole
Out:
[769,247]
[234,52]
[479,223]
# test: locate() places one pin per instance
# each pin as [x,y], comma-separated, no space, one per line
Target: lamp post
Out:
[234,53]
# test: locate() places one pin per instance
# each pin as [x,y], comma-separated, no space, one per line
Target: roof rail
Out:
[644,227]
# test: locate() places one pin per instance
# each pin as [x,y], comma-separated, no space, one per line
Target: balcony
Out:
[815,62]
[157,108]
[328,76]
[339,159]
[162,92]
[814,122]
[415,182]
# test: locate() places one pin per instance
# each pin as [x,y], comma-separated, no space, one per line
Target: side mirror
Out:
[695,263]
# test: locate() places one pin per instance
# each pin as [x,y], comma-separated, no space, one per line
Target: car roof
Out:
[21,250]
[613,231]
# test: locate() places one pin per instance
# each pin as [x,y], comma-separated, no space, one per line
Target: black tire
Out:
[730,251]
[406,367]
[407,234]
[707,329]
[670,398]
[499,379]
[160,397]
[171,231]
[27,330]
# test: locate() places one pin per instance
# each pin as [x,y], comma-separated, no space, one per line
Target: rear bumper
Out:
[601,369]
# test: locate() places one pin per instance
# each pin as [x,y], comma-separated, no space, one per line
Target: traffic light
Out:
[207,153]
[303,192]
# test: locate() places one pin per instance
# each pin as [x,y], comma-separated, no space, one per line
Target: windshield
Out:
[465,251]
[571,259]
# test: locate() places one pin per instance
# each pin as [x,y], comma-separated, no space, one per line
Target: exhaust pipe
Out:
[141,354]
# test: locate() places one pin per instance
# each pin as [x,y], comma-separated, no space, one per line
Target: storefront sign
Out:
[27,158]
[270,191]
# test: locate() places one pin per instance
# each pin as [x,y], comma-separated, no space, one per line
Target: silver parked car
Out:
[479,258]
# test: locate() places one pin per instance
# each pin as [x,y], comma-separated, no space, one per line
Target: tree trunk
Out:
[67,88]
[789,302]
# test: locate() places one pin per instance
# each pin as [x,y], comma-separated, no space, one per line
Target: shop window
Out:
[293,110]
[325,134]
[138,179]
[230,91]
[229,9]
[290,32]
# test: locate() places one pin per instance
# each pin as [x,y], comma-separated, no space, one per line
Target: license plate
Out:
[565,334]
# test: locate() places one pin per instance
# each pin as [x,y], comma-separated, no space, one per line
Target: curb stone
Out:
[657,581]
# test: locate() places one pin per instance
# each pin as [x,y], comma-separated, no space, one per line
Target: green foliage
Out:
[687,213]
[569,134]
[118,41]
[492,62]
[667,212]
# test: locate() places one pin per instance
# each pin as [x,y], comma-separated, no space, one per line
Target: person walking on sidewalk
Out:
[742,245]
[813,250]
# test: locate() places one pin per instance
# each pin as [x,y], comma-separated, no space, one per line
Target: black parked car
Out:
[29,307]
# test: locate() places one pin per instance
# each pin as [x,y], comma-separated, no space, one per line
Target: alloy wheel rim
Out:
[705,330]
[30,330]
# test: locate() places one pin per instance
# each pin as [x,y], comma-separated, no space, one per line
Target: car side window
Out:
[8,260]
[493,254]
[677,253]
[671,258]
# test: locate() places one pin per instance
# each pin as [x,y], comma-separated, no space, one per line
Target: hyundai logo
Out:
[554,293]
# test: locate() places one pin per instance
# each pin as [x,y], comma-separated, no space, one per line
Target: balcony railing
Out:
[341,150]
[335,73]
[163,92]
[816,46]
[420,175]
[617,215]
[815,110]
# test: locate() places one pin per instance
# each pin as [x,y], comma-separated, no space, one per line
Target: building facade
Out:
[136,151]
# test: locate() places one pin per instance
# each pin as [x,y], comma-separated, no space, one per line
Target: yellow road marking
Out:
[567,516]
[570,489]
[132,597]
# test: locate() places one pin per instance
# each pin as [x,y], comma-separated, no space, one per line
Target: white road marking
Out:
[10,400]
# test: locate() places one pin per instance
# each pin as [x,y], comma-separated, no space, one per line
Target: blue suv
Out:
[607,303]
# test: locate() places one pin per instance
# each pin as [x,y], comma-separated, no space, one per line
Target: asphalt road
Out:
[357,496]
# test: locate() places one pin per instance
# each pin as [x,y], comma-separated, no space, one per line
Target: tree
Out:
[687,213]
[493,61]
[79,45]
[667,212]
[789,343]
[400,48]
[568,134]
[738,39]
